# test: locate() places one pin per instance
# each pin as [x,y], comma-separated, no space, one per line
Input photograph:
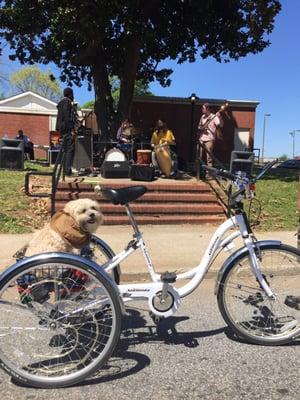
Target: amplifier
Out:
[83,151]
[241,161]
[115,169]
[139,172]
[52,156]
[11,153]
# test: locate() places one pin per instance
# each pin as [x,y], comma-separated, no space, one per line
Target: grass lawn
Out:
[277,192]
[18,213]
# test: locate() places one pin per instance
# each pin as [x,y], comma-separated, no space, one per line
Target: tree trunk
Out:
[104,109]
[127,81]
[108,121]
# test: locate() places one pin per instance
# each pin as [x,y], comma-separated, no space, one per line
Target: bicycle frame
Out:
[221,239]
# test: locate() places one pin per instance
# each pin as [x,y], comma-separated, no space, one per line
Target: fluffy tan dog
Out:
[69,229]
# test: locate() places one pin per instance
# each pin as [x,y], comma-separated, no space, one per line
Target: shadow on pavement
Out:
[136,330]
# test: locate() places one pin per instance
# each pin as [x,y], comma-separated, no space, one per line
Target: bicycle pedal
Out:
[293,302]
[168,277]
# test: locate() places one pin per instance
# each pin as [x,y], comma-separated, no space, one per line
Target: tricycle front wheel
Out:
[247,309]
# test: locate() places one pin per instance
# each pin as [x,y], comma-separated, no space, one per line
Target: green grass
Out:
[278,193]
[15,215]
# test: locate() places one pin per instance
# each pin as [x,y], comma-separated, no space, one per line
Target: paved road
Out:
[191,356]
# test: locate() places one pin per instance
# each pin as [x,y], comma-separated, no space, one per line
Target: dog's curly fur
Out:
[86,213]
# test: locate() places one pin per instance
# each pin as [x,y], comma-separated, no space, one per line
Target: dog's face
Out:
[86,213]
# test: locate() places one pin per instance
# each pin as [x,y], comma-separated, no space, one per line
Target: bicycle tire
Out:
[246,308]
[100,252]
[60,320]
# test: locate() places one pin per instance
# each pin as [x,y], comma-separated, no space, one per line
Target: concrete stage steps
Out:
[166,201]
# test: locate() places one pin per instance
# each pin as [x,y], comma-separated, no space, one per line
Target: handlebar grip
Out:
[220,172]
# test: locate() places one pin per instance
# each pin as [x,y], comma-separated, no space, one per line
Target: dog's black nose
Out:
[92,215]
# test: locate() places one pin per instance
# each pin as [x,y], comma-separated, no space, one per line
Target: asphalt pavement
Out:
[191,355]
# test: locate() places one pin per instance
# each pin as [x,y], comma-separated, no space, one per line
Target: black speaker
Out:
[115,169]
[11,153]
[241,161]
[142,173]
[83,150]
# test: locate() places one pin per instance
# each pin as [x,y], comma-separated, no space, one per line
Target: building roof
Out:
[187,100]
[28,103]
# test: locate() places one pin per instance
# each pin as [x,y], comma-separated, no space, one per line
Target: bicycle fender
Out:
[262,244]
[60,257]
[107,248]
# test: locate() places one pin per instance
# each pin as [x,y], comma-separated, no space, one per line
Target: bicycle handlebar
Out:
[241,181]
[234,177]
[220,172]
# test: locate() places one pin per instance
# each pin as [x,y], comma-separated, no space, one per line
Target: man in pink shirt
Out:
[207,127]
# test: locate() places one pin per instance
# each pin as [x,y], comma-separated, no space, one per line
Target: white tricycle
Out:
[61,314]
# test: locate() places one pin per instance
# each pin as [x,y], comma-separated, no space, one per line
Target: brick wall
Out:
[33,125]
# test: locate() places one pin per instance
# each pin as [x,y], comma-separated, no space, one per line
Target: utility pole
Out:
[263,142]
[293,134]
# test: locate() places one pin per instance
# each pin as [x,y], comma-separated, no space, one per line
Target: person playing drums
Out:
[124,137]
[163,158]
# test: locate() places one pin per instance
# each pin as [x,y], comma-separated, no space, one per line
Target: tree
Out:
[95,39]
[89,104]
[283,157]
[32,79]
[140,89]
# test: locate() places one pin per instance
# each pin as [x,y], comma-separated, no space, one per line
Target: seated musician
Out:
[28,145]
[122,134]
[124,137]
[164,136]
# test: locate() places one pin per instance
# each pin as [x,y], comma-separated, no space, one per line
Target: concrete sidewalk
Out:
[171,247]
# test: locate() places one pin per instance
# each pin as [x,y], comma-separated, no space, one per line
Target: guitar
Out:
[204,127]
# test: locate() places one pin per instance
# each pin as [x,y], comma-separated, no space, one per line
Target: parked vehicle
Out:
[291,164]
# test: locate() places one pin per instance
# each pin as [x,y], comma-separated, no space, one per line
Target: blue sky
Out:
[271,77]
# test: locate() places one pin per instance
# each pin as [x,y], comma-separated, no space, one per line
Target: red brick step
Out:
[164,219]
[149,196]
[177,187]
[169,202]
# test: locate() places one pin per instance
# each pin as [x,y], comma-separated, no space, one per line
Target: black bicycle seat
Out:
[123,195]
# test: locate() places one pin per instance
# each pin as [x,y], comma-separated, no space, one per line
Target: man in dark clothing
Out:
[66,123]
[28,145]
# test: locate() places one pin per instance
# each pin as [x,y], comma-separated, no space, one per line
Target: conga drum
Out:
[143,157]
[163,157]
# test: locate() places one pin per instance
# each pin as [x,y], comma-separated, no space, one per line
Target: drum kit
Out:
[124,151]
